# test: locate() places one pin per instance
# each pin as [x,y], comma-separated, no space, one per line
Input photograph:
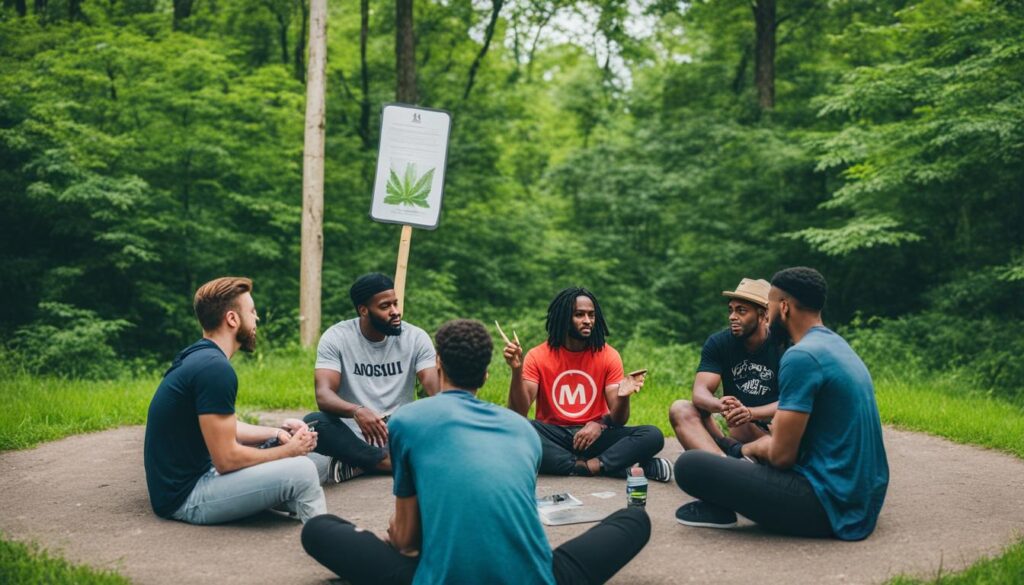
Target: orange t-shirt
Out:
[570,384]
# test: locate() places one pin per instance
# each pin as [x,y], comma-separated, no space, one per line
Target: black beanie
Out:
[804,284]
[368,285]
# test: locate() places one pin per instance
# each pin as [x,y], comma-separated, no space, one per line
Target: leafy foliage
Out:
[411,190]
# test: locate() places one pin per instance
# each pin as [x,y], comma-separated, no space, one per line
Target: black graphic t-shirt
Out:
[751,377]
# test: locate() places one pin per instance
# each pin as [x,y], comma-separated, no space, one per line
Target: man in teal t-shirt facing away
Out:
[465,482]
[827,472]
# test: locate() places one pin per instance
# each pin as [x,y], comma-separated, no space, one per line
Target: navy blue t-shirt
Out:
[751,377]
[200,381]
[841,453]
[473,467]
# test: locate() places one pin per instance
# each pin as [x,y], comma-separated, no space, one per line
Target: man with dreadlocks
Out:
[575,377]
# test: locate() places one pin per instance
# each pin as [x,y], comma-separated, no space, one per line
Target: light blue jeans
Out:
[292,484]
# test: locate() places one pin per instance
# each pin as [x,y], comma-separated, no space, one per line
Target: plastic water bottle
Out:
[636,488]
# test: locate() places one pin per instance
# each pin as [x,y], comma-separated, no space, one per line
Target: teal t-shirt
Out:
[473,467]
[841,452]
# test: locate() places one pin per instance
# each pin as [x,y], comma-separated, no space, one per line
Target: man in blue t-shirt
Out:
[465,481]
[744,360]
[200,467]
[826,472]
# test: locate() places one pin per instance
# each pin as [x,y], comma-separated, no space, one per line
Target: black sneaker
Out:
[339,471]
[658,469]
[705,515]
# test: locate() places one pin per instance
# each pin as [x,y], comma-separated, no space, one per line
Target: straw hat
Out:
[754,291]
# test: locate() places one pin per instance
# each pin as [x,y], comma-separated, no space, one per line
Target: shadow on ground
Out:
[85,497]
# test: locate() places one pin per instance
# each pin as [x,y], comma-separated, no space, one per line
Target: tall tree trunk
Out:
[75,10]
[488,35]
[405,53]
[40,8]
[300,43]
[19,6]
[282,36]
[182,10]
[312,248]
[364,74]
[764,52]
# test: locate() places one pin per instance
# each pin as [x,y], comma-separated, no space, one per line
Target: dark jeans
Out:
[617,448]
[360,557]
[779,501]
[335,439]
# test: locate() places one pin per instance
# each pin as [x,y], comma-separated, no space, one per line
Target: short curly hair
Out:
[804,284]
[465,348]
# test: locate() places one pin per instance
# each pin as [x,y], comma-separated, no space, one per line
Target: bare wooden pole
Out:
[403,266]
[312,251]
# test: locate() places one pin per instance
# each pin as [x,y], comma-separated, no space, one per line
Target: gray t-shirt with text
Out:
[380,375]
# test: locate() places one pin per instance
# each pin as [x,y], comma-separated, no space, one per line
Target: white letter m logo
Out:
[569,396]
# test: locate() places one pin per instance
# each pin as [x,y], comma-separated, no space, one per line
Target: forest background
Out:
[652,151]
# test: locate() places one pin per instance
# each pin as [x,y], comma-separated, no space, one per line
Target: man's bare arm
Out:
[781,448]
[404,531]
[220,433]
[429,380]
[704,386]
[327,383]
[248,434]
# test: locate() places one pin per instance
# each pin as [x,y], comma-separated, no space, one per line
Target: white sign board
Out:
[410,166]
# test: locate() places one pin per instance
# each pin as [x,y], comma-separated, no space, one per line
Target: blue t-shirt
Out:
[473,467]
[841,453]
[200,381]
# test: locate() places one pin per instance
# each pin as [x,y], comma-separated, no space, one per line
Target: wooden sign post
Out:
[409,185]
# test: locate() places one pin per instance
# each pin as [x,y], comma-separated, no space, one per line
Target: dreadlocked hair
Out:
[559,321]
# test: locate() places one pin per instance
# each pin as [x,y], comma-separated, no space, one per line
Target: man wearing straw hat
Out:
[744,360]
[366,368]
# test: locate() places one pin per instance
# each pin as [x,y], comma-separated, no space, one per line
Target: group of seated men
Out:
[794,444]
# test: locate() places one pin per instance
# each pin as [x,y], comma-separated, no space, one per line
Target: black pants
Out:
[360,557]
[779,501]
[335,439]
[617,448]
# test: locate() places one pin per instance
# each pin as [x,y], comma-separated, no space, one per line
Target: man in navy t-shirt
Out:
[827,472]
[465,482]
[744,360]
[199,467]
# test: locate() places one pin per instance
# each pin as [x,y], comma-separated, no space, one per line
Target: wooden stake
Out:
[402,267]
[311,253]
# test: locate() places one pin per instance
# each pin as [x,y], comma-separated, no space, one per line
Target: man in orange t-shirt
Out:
[576,379]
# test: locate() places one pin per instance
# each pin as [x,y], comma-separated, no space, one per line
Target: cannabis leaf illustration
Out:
[409,190]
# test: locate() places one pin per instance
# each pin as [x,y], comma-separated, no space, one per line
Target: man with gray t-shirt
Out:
[365,369]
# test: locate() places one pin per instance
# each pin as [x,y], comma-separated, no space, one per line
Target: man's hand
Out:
[373,426]
[513,355]
[738,415]
[391,537]
[586,436]
[301,443]
[292,425]
[631,384]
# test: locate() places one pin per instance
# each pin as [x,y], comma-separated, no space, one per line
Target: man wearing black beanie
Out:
[366,368]
[827,472]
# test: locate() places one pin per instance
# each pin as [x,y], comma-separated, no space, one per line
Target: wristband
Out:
[357,410]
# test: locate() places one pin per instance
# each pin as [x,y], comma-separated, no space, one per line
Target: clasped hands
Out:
[735,412]
[297,436]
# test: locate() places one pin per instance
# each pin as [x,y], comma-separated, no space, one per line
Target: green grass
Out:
[35,409]
[1007,569]
[20,563]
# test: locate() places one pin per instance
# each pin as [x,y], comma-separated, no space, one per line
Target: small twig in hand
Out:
[503,336]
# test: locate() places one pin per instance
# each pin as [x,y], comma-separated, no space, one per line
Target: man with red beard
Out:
[202,466]
[582,396]
[744,360]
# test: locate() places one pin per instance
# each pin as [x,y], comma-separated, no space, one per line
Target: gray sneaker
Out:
[339,471]
[658,469]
